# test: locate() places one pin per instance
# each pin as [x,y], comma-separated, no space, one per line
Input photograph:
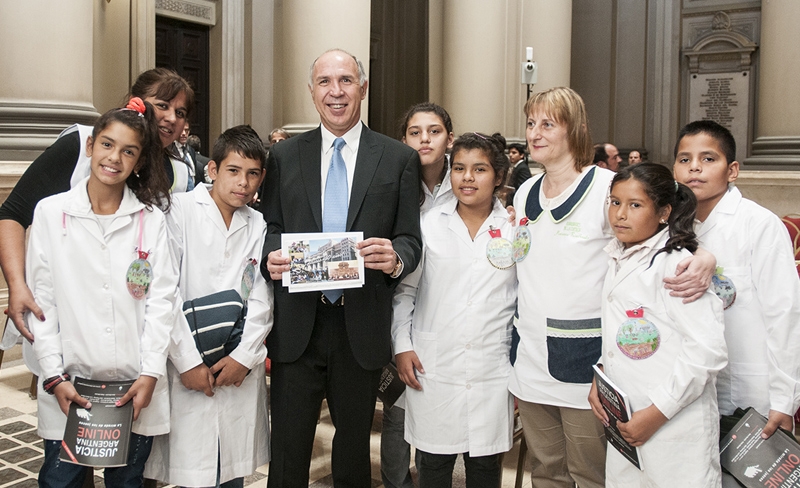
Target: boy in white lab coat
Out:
[219,435]
[756,280]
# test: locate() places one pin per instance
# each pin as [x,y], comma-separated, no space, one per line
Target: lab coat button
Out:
[227,254]
[469,387]
[105,286]
[102,247]
[468,346]
[469,303]
[611,354]
[610,299]
[108,329]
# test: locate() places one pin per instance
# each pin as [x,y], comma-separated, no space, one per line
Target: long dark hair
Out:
[164,84]
[148,181]
[492,146]
[663,190]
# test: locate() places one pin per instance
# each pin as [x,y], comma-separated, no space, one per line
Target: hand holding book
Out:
[141,392]
[66,394]
[642,425]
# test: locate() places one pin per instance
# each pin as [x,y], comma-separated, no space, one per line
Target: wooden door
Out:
[183,46]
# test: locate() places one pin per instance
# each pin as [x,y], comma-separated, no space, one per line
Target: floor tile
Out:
[7,413]
[15,427]
[8,475]
[19,455]
[29,437]
[6,444]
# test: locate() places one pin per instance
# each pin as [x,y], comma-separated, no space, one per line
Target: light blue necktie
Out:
[188,160]
[334,217]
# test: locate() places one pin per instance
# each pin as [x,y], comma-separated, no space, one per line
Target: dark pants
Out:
[327,369]
[436,470]
[61,474]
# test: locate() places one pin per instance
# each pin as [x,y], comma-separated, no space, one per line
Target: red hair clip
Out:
[136,104]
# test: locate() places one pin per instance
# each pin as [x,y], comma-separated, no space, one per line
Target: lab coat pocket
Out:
[733,286]
[425,345]
[749,384]
[504,339]
[573,346]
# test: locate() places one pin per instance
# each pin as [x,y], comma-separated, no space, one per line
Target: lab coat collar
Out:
[77,205]
[727,206]
[240,216]
[496,219]
[534,210]
[626,260]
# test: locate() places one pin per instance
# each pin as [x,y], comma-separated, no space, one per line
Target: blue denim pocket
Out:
[573,347]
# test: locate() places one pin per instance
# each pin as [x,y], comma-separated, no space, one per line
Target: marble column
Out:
[483,48]
[777,136]
[343,24]
[47,59]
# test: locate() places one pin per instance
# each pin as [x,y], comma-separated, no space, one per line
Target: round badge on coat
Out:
[724,288]
[248,278]
[139,277]
[638,338]
[500,252]
[522,243]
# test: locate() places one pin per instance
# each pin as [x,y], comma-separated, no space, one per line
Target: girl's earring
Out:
[662,221]
[136,174]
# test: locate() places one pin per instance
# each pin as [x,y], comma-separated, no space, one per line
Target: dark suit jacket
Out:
[384,202]
[519,175]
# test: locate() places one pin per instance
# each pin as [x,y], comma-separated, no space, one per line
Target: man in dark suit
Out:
[329,346]
[520,171]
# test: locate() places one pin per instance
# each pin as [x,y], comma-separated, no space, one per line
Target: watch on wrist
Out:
[398,267]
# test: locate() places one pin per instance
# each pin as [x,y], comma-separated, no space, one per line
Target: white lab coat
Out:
[94,328]
[234,421]
[559,289]
[461,332]
[678,378]
[761,326]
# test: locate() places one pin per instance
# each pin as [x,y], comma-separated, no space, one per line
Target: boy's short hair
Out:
[519,147]
[241,139]
[714,130]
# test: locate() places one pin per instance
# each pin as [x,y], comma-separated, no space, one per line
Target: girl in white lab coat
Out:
[663,353]
[106,317]
[428,129]
[453,352]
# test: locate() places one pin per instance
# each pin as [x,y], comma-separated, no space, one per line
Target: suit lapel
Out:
[367,160]
[309,148]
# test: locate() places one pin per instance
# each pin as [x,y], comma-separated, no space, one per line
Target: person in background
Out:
[634,157]
[277,135]
[520,172]
[606,155]
[201,170]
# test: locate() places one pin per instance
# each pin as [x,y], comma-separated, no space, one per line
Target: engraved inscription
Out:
[719,100]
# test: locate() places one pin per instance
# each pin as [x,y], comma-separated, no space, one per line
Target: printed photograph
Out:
[323,261]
